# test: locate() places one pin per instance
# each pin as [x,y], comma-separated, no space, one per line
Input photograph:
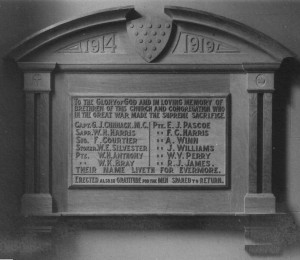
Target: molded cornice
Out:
[242,31]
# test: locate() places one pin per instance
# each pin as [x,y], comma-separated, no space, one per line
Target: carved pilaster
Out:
[267,143]
[259,198]
[37,86]
[29,143]
[252,184]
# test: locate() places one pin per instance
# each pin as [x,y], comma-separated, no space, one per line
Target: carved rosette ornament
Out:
[149,37]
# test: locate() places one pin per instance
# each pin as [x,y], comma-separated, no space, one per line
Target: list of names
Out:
[136,140]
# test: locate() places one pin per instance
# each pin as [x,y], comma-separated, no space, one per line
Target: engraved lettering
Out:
[102,44]
[149,141]
[188,43]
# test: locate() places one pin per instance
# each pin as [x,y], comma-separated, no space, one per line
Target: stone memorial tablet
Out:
[162,141]
[195,140]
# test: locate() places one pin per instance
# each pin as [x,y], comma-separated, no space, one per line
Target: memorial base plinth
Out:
[265,234]
[36,204]
[260,203]
[262,240]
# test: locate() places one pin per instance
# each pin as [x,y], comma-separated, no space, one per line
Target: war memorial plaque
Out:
[155,141]
[134,115]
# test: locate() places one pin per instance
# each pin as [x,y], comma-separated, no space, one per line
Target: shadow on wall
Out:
[287,78]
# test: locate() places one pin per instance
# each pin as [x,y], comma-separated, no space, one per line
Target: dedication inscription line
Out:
[168,141]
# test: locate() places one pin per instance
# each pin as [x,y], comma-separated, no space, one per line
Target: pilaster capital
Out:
[37,76]
[260,82]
